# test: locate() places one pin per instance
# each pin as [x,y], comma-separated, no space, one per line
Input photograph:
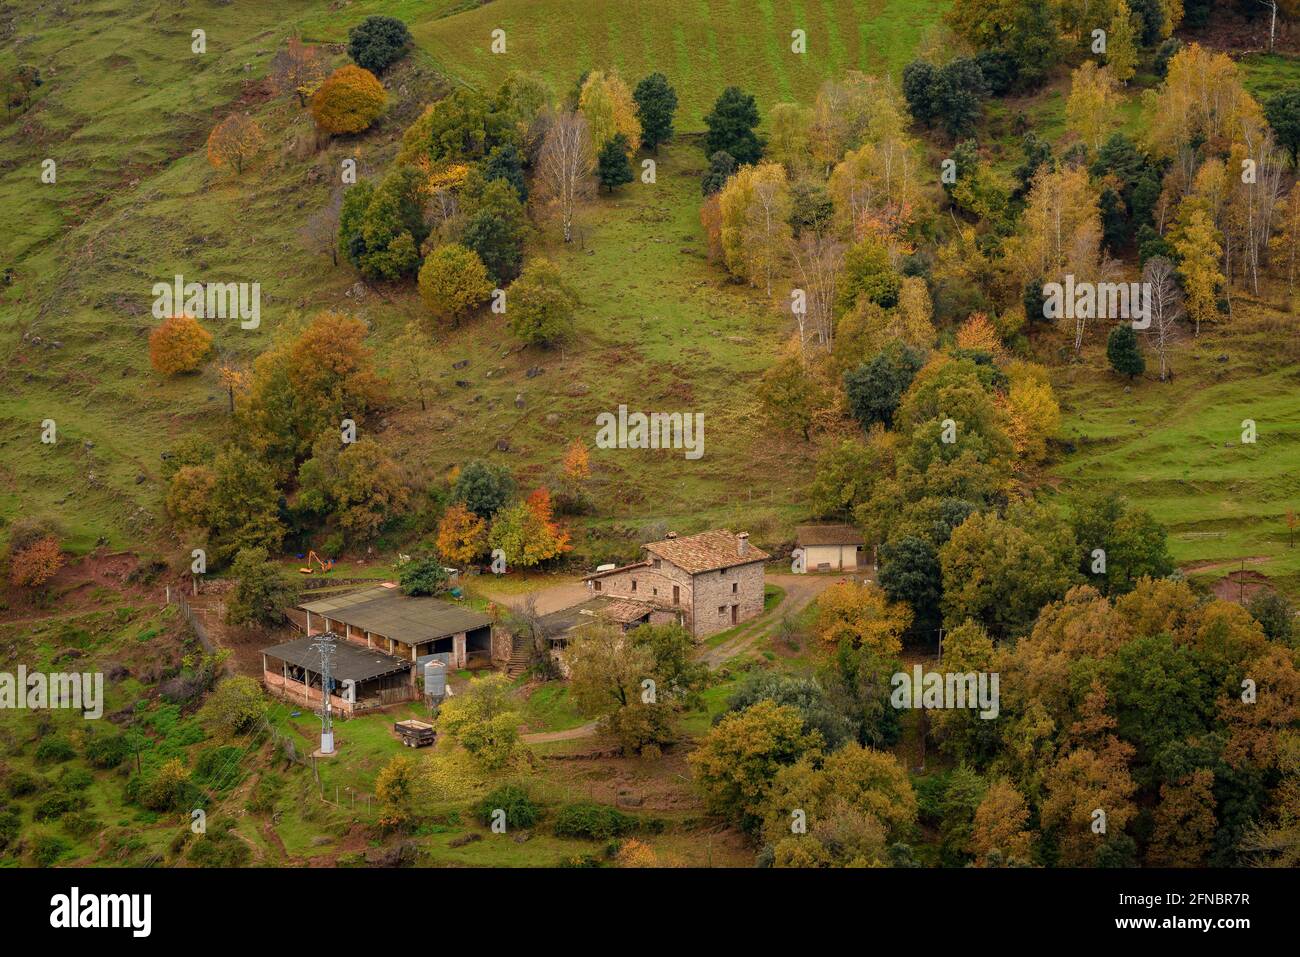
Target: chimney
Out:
[671,535]
[742,544]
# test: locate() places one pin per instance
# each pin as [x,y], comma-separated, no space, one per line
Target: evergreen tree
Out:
[656,102]
[731,125]
[1123,352]
[612,166]
[721,165]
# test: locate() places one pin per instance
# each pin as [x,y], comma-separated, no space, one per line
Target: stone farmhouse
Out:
[706,582]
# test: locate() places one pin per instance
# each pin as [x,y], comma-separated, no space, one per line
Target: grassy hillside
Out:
[1175,447]
[701,45]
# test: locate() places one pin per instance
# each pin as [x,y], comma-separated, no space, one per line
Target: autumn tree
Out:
[1091,109]
[540,305]
[357,485]
[790,396]
[609,109]
[756,234]
[861,614]
[1166,309]
[1196,243]
[349,100]
[1000,572]
[234,141]
[453,282]
[577,462]
[1121,43]
[178,345]
[737,760]
[416,364]
[607,670]
[1202,99]
[483,720]
[1000,829]
[306,384]
[245,504]
[527,533]
[298,70]
[1077,785]
[189,497]
[565,166]
[462,536]
[35,563]
[1184,822]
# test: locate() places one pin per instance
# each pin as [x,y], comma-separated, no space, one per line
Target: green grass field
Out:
[701,45]
[1176,448]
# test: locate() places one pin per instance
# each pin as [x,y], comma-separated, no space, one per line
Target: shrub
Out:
[55,804]
[520,809]
[47,849]
[21,784]
[107,751]
[75,779]
[376,43]
[53,750]
[594,821]
[423,576]
[349,101]
[178,345]
[218,766]
[81,824]
[10,824]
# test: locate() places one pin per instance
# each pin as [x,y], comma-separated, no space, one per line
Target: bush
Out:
[56,804]
[423,576]
[218,766]
[47,849]
[35,564]
[81,824]
[219,849]
[75,779]
[376,43]
[10,825]
[53,750]
[520,809]
[107,751]
[594,821]
[22,784]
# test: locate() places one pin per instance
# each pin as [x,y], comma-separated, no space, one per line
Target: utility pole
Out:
[324,646]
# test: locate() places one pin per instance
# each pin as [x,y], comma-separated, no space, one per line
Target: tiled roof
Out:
[707,551]
[828,535]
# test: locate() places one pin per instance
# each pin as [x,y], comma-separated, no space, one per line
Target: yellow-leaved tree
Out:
[1196,242]
[607,104]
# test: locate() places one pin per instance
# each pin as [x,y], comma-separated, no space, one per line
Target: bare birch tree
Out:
[1166,308]
[818,258]
[565,166]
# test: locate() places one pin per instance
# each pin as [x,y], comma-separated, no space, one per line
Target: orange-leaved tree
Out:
[178,345]
[348,101]
[35,564]
[462,535]
[234,141]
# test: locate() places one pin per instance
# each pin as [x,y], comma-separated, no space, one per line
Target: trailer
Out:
[415,734]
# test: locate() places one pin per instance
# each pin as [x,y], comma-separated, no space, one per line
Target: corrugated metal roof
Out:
[387,612]
[351,660]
